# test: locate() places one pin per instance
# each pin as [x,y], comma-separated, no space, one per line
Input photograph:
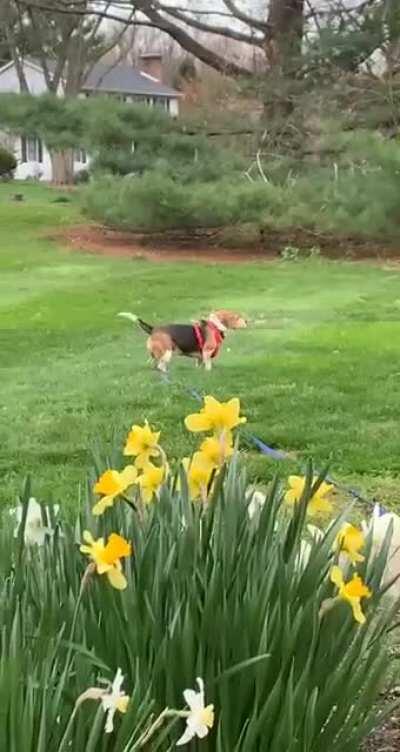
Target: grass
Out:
[318,370]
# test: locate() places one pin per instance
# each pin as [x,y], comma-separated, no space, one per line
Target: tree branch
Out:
[193,11]
[207,56]
[154,19]
[224,31]
[65,10]
[97,25]
[255,23]
[19,67]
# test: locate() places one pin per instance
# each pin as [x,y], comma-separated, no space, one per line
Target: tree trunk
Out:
[283,50]
[62,165]
[286,19]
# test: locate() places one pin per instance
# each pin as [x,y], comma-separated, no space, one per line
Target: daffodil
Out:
[112,699]
[315,532]
[142,443]
[111,484]
[349,541]
[257,501]
[107,557]
[37,522]
[379,527]
[199,471]
[303,557]
[318,504]
[151,480]
[217,449]
[200,719]
[351,592]
[215,416]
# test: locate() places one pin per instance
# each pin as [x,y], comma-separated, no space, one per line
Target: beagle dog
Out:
[201,340]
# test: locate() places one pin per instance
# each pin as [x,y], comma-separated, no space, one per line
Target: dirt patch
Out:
[210,245]
[106,242]
[386,738]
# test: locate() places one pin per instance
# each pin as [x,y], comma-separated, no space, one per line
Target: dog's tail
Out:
[132,317]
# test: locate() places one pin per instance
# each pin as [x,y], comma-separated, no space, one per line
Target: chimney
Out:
[151,63]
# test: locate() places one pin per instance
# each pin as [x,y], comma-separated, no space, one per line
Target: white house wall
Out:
[9,81]
[174,107]
[36,170]
[33,170]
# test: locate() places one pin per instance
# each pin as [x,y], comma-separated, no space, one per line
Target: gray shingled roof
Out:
[124,79]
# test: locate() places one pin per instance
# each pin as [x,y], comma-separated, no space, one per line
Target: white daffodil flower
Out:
[257,501]
[35,530]
[378,526]
[200,719]
[112,699]
[315,532]
[303,557]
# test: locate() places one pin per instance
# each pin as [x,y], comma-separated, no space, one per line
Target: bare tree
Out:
[277,27]
[232,22]
[283,32]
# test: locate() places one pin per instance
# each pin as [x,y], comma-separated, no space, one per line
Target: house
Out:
[123,82]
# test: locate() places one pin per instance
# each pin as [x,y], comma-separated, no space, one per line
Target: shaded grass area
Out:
[318,371]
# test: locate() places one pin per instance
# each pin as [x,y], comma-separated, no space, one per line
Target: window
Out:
[31,149]
[162,103]
[80,156]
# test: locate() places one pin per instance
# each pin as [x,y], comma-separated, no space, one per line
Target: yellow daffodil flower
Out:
[107,558]
[111,484]
[319,504]
[142,442]
[150,481]
[351,592]
[199,471]
[200,718]
[349,541]
[217,450]
[215,416]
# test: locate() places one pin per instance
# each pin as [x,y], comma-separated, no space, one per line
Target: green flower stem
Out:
[86,576]
[129,502]
[68,729]
[166,713]
[327,605]
[162,455]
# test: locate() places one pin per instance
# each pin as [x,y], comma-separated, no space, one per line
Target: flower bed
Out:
[183,605]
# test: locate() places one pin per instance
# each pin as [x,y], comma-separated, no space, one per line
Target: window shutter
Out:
[23,149]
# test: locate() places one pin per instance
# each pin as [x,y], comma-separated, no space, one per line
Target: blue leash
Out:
[268,451]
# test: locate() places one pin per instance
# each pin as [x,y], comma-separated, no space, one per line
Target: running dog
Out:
[201,340]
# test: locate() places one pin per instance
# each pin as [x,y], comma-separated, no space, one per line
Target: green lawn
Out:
[318,371]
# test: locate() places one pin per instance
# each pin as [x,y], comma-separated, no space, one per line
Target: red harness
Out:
[218,337]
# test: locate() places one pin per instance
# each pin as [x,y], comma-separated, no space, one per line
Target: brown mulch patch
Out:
[106,242]
[210,246]
[386,738]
